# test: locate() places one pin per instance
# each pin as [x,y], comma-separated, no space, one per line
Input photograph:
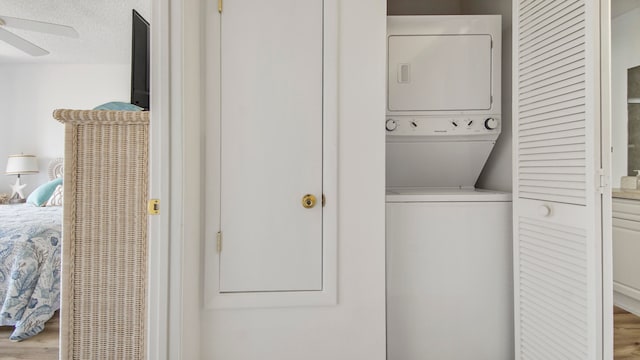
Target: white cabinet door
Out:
[626,247]
[271,145]
[557,202]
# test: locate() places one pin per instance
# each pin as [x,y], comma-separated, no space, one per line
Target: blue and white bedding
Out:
[30,249]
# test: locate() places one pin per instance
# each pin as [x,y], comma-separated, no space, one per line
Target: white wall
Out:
[28,96]
[355,328]
[496,174]
[625,53]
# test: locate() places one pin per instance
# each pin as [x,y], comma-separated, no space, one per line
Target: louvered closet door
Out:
[557,203]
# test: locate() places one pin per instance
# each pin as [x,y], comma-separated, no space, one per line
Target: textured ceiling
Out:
[104,27]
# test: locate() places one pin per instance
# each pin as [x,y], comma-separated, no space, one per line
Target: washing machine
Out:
[448,253]
[449,274]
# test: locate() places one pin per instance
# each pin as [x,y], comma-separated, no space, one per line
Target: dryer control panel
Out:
[443,126]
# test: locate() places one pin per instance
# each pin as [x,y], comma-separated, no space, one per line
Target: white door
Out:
[271,145]
[557,199]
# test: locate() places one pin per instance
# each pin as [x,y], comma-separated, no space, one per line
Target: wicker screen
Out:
[105,234]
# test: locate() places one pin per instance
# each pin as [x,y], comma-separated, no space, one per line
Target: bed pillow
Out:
[56,198]
[42,193]
[117,105]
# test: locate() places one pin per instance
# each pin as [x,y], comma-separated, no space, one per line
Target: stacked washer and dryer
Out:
[449,252]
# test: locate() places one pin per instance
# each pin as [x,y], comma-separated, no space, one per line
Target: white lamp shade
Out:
[22,164]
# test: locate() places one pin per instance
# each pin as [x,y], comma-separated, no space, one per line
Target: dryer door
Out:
[439,72]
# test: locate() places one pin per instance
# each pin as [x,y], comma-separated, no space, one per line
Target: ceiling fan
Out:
[31,25]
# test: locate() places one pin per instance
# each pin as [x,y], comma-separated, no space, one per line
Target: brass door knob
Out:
[308,201]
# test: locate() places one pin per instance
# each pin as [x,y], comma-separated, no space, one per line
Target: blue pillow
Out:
[42,193]
[116,105]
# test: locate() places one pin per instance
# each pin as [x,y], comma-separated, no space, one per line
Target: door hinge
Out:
[220,6]
[219,242]
[602,178]
[153,207]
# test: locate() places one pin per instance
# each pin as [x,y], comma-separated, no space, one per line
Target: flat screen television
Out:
[140,61]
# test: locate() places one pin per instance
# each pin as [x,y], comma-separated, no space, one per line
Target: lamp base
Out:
[16,190]
[17,198]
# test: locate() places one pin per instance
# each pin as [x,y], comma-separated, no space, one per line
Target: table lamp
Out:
[20,165]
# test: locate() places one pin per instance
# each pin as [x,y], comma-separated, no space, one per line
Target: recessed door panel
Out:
[271,145]
[439,72]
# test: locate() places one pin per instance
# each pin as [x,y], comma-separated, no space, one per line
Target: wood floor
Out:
[44,346]
[626,338]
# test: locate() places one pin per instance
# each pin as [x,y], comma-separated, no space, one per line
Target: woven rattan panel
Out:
[105,235]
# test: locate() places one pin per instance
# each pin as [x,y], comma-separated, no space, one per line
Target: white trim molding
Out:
[158,252]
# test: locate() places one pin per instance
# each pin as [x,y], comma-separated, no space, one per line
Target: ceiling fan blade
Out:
[22,44]
[39,26]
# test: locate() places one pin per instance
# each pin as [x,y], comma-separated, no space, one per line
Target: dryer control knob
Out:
[490,124]
[391,125]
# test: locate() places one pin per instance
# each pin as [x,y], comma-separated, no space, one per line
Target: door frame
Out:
[605,160]
[174,234]
[159,168]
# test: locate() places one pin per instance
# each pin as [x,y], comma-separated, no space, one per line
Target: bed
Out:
[30,256]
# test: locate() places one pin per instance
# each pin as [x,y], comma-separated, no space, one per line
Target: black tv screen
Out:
[140,61]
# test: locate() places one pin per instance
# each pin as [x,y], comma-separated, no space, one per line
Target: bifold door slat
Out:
[560,99]
[533,7]
[542,85]
[547,299]
[553,276]
[525,137]
[575,185]
[540,44]
[542,96]
[551,60]
[567,45]
[555,19]
[569,171]
[553,142]
[552,71]
[548,129]
[553,121]
[564,199]
[550,190]
[573,155]
[524,176]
